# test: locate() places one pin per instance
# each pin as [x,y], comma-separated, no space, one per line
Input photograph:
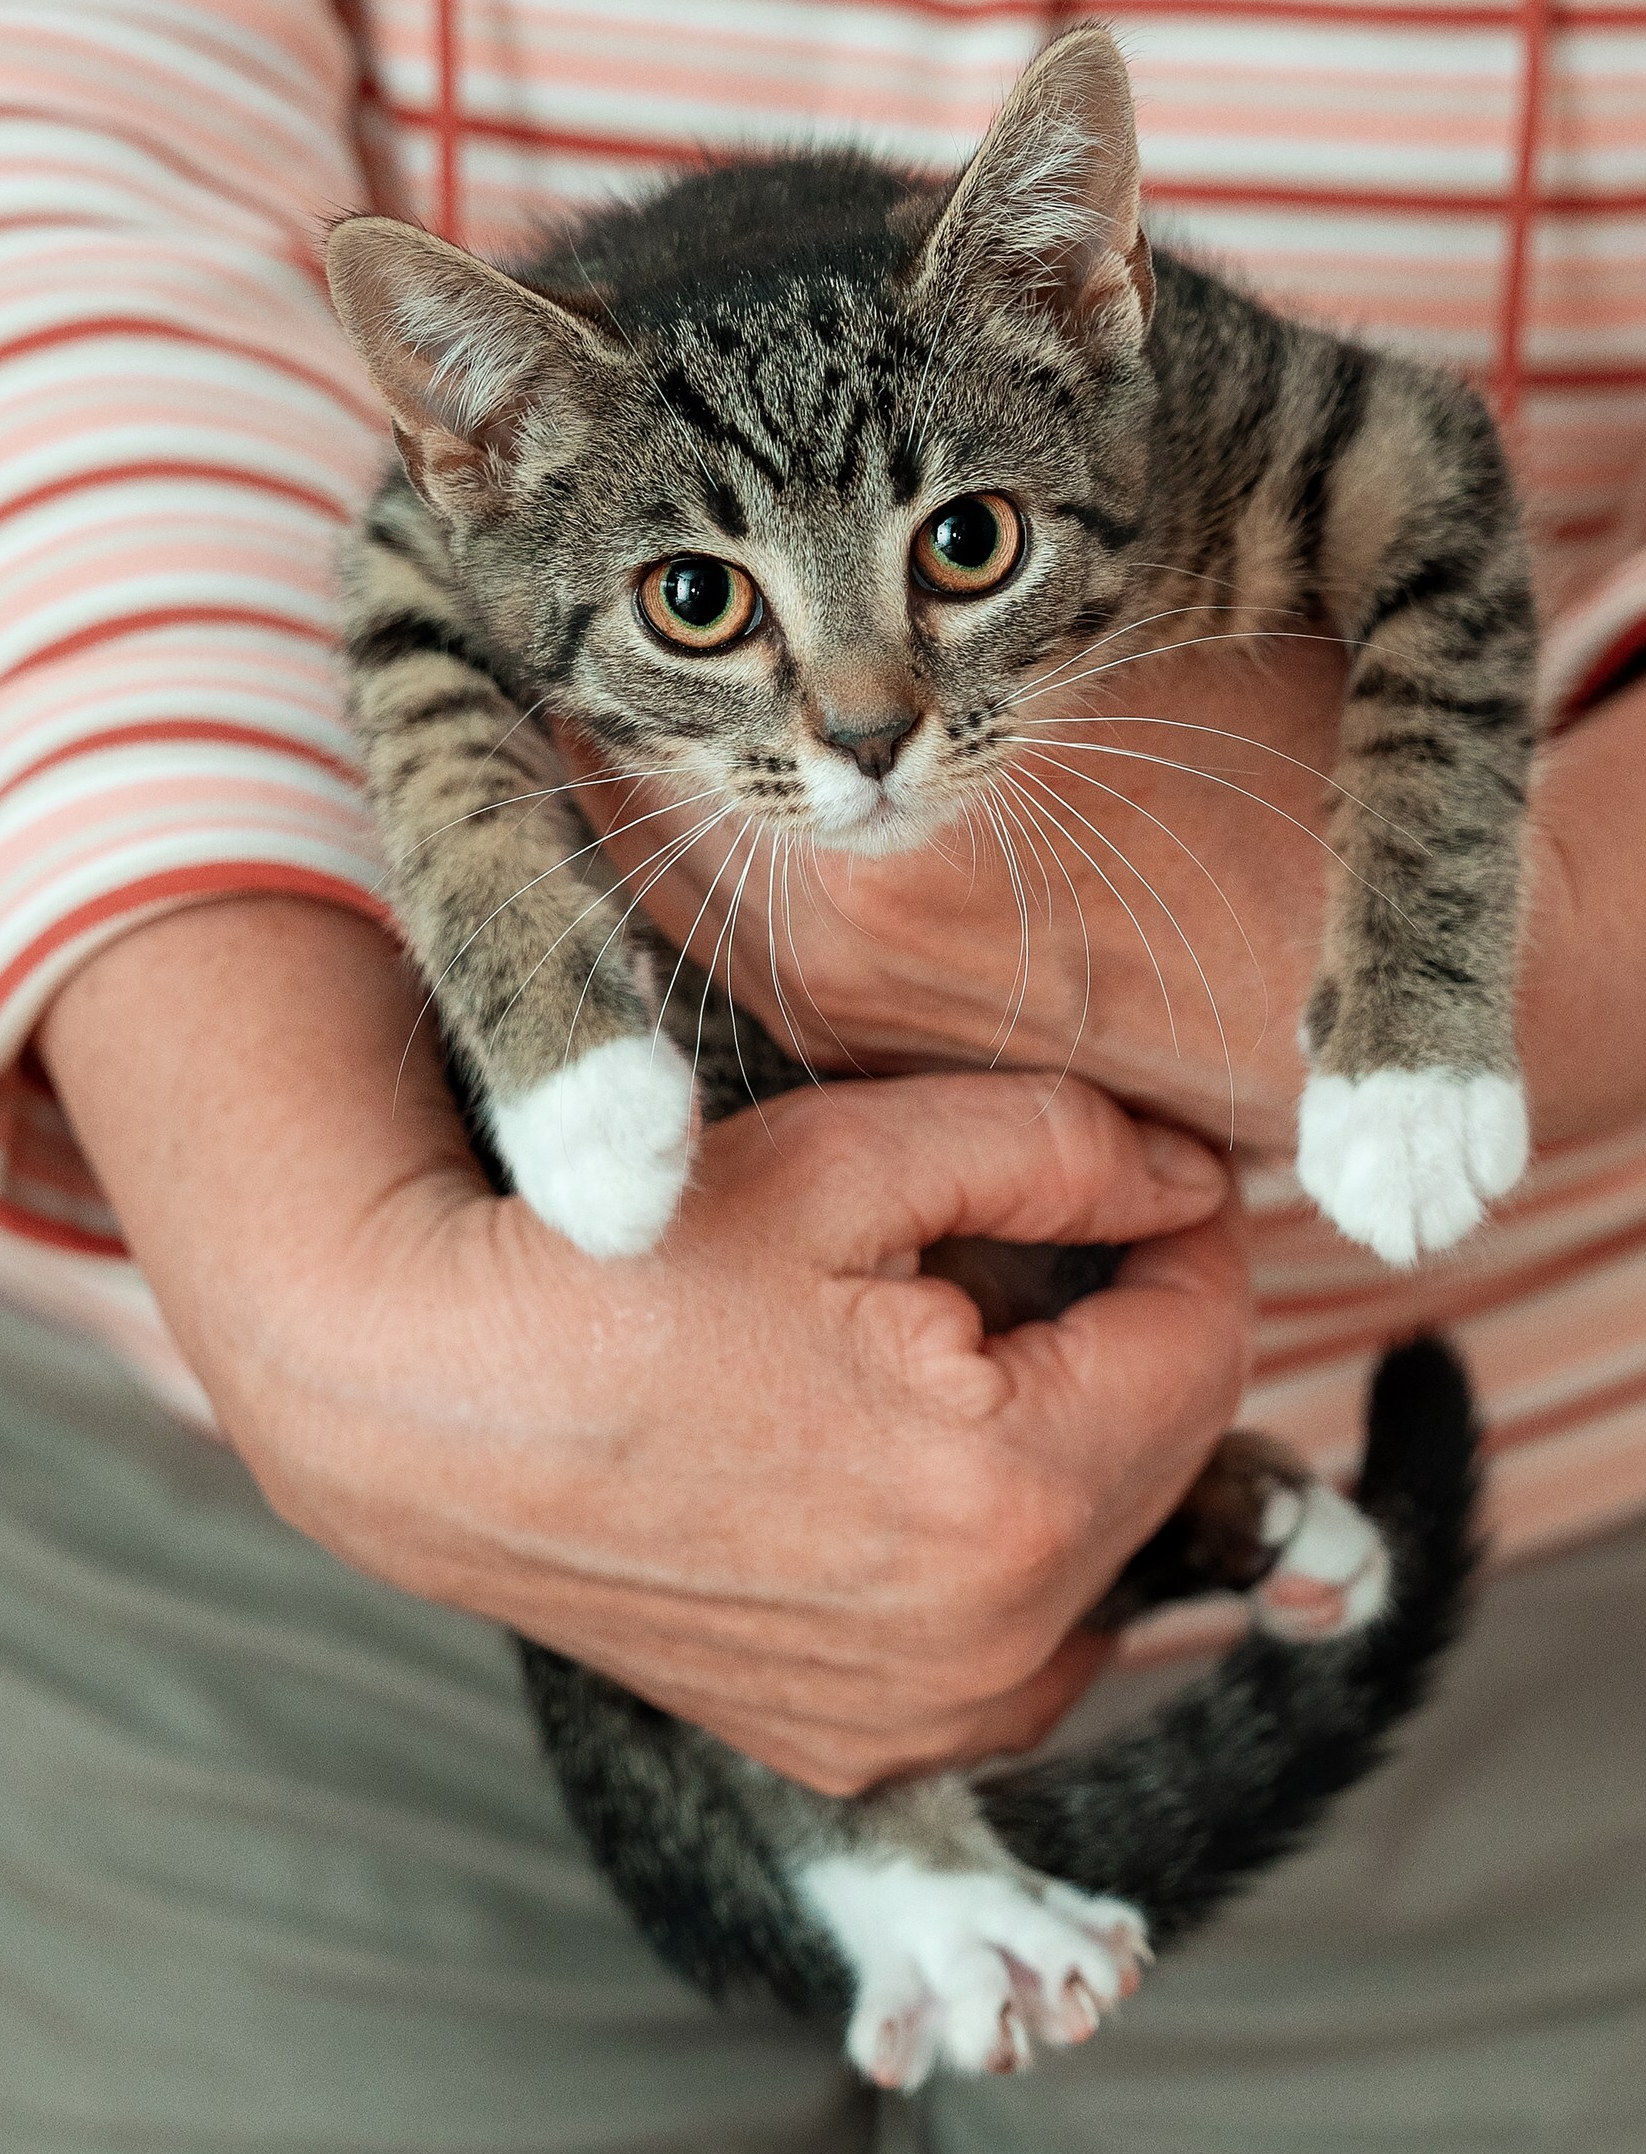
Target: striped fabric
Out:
[182,432]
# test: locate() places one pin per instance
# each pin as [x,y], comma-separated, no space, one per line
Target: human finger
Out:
[1133,1385]
[898,1165]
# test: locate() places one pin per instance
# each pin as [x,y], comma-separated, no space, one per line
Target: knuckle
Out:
[995,1532]
[962,1491]
[1037,1527]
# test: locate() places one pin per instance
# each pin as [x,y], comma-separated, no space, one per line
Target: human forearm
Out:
[659,1465]
[1583,999]
[235,1072]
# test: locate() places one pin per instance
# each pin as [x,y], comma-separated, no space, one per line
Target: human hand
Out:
[768,1478]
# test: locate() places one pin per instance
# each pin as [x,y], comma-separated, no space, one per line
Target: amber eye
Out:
[699,603]
[969,546]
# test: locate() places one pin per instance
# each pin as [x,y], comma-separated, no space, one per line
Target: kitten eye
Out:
[969,546]
[699,603]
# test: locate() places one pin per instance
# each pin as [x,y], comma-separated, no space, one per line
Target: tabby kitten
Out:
[784,481]
[781,485]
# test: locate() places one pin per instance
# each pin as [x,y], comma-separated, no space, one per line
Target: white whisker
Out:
[1018,993]
[799,970]
[686,939]
[667,854]
[1188,851]
[1085,939]
[1163,650]
[594,844]
[1109,844]
[731,1000]
[1142,935]
[1045,879]
[1195,575]
[530,711]
[1136,755]
[784,1010]
[1244,740]
[1126,628]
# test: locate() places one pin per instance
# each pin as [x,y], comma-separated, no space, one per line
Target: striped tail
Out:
[1178,1814]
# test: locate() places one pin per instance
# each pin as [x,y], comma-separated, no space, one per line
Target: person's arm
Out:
[186,432]
[870,972]
[766,1477]
[1583,998]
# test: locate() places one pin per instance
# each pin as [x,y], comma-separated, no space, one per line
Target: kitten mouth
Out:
[851,812]
[846,809]
[880,825]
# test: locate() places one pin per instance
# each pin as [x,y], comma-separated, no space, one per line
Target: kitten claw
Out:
[602,1149]
[1080,2015]
[1405,1161]
[1011,2053]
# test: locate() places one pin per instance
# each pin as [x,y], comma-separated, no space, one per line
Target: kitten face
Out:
[771,393]
[804,556]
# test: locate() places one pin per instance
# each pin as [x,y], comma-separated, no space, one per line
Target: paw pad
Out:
[1332,1573]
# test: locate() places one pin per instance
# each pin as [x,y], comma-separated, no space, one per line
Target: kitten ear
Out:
[1049,205]
[462,354]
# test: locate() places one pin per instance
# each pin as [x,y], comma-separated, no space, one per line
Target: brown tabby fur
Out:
[791,363]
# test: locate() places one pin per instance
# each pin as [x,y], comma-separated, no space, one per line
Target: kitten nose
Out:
[872,746]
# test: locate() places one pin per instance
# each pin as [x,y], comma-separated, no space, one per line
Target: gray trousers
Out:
[280,1873]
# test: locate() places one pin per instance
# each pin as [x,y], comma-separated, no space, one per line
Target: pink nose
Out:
[873,746]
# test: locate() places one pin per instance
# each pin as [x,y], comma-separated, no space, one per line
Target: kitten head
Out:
[787,481]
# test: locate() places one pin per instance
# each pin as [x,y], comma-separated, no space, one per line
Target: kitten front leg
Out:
[541,987]
[1414,1116]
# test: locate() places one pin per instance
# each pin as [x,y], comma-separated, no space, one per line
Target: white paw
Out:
[601,1150]
[1406,1160]
[1333,1572]
[968,1967]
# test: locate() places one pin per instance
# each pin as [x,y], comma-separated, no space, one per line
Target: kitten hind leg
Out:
[1257,1520]
[961,1957]
[906,1907]
[964,1958]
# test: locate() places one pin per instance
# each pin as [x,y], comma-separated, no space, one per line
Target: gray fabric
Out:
[279,1870]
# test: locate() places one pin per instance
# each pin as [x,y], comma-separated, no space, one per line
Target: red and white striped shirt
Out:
[183,432]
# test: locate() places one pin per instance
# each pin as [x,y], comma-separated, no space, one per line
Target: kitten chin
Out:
[851,814]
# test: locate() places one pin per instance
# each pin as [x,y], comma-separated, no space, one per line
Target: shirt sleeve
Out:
[1598,643]
[184,432]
